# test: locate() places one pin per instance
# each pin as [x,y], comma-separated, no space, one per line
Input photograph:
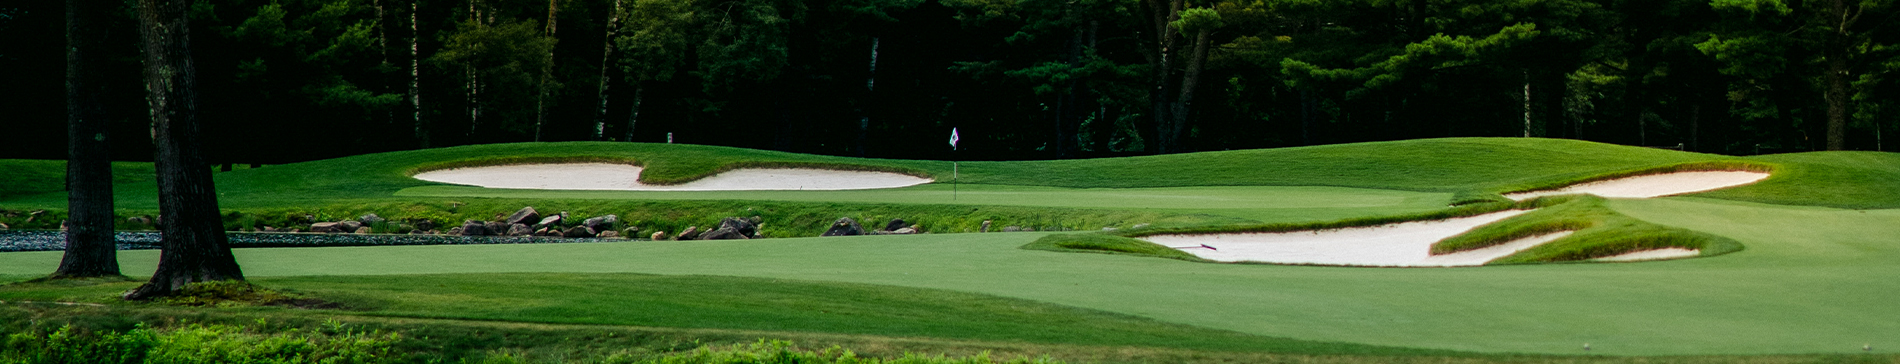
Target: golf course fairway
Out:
[1816,276]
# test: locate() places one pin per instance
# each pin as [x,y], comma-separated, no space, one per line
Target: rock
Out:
[294,230]
[269,229]
[904,230]
[323,227]
[845,226]
[1138,226]
[553,220]
[471,228]
[548,232]
[755,220]
[601,223]
[759,231]
[420,232]
[722,234]
[495,228]
[630,232]
[370,219]
[578,232]
[690,233]
[141,220]
[348,226]
[525,216]
[1108,228]
[986,227]
[608,234]
[745,227]
[519,230]
[658,235]
[423,224]
[3,226]
[1012,228]
[894,225]
[364,230]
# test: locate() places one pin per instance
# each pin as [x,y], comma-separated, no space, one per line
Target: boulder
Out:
[455,230]
[722,234]
[519,230]
[552,220]
[554,232]
[525,216]
[845,226]
[269,229]
[1012,228]
[601,223]
[904,230]
[423,224]
[894,225]
[630,232]
[348,226]
[495,228]
[370,219]
[608,234]
[578,232]
[691,232]
[986,227]
[364,230]
[745,227]
[323,227]
[658,235]
[473,228]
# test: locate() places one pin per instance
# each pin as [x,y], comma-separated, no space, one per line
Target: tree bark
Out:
[870,93]
[547,72]
[1183,105]
[606,64]
[1837,75]
[1161,14]
[90,248]
[415,76]
[633,118]
[194,243]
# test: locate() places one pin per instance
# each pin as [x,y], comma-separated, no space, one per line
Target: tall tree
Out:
[1763,38]
[547,75]
[654,46]
[90,248]
[606,63]
[194,245]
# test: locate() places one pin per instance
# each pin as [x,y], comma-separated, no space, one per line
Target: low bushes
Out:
[201,344]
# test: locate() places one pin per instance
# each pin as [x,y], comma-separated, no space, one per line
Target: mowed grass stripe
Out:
[1793,290]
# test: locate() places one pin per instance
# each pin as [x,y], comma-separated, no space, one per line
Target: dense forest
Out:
[293,80]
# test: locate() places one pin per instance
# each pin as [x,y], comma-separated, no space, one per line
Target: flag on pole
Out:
[953,138]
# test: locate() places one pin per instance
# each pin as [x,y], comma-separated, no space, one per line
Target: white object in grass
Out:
[621,177]
[1654,185]
[1405,244]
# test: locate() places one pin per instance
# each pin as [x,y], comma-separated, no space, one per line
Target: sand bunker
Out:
[1406,244]
[1655,185]
[621,177]
[1657,254]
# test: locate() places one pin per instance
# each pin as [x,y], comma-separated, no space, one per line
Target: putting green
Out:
[1793,291]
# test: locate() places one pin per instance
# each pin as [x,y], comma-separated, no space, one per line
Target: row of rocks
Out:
[731,228]
[845,226]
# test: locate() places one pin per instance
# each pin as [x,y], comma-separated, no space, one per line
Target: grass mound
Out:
[1106,243]
[240,294]
[1599,232]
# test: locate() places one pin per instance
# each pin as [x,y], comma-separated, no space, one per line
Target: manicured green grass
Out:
[1597,231]
[1792,291]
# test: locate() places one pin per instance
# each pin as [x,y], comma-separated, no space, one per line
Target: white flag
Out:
[953,138]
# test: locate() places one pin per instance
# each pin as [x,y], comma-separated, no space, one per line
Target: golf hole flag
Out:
[953,138]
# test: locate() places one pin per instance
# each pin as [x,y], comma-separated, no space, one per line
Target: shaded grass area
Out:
[1110,244]
[736,303]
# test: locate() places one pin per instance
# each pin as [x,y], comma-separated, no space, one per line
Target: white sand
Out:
[1395,245]
[1657,254]
[621,177]
[1655,185]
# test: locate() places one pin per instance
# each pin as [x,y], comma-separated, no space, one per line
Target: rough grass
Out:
[1106,243]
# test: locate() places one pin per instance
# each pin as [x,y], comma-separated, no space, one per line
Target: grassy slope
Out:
[1460,165]
[1792,291]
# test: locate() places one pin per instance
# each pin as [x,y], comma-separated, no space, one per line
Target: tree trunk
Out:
[1527,102]
[1838,74]
[194,242]
[606,64]
[415,76]
[1183,105]
[1309,111]
[870,93]
[1162,14]
[633,118]
[547,72]
[91,250]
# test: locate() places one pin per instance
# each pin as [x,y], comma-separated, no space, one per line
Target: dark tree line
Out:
[292,80]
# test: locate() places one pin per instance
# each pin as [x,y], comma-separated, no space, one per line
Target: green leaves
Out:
[1437,52]
[1193,21]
